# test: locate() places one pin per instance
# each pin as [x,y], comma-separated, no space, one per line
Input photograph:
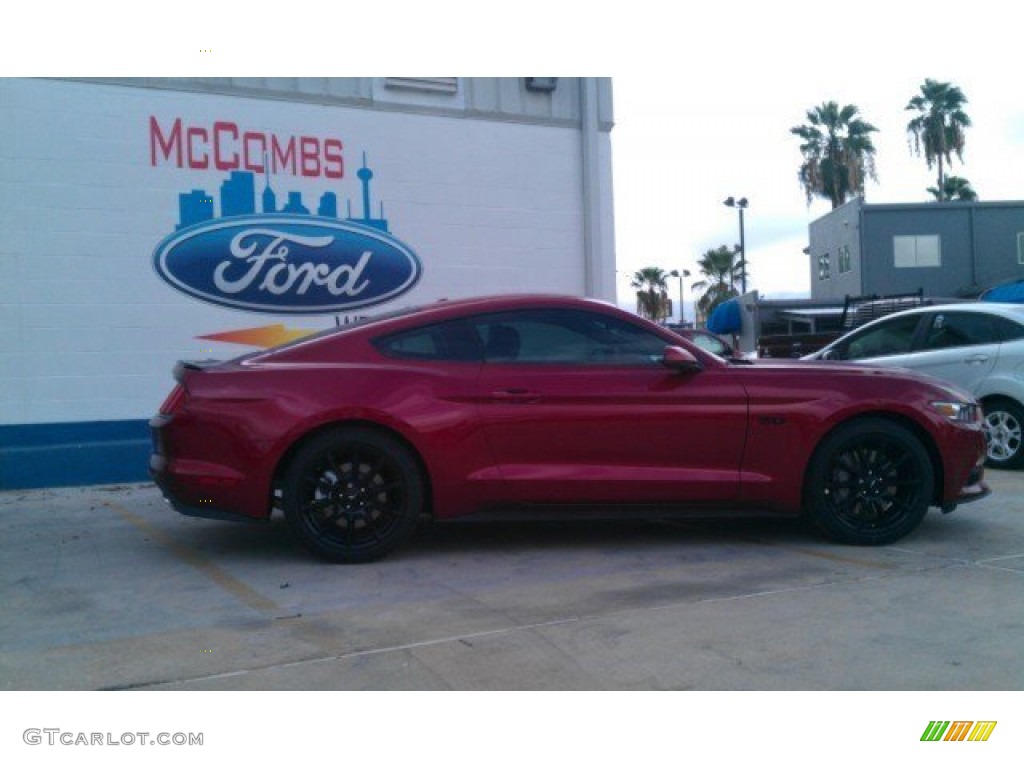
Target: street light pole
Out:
[682,311]
[740,205]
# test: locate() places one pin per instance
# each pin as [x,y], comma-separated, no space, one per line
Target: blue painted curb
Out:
[77,453]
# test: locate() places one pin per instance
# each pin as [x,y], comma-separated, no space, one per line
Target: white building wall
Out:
[91,331]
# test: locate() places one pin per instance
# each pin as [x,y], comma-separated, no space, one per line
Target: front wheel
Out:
[351,495]
[1003,424]
[870,482]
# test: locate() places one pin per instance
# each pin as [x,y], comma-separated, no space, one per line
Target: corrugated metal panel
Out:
[433,84]
[497,98]
[349,90]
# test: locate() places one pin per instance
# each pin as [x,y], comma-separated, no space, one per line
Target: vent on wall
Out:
[430,84]
[541,84]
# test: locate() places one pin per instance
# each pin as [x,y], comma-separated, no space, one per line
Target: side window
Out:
[455,341]
[1008,330]
[958,329]
[566,336]
[893,337]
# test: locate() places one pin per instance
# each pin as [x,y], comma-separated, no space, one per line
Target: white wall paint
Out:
[89,330]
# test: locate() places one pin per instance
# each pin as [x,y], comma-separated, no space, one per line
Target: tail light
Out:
[174,400]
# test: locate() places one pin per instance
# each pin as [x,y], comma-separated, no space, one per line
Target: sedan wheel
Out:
[870,482]
[1003,420]
[352,495]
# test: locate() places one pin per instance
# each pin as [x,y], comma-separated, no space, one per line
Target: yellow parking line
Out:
[827,555]
[803,550]
[218,576]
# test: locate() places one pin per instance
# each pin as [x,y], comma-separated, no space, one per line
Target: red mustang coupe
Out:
[541,405]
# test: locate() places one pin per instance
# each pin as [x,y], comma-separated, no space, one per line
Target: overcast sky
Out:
[712,120]
[705,93]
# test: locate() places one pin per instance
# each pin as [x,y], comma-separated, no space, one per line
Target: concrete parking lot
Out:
[108,588]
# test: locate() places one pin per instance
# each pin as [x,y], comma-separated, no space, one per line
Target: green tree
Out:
[721,268]
[651,284]
[838,153]
[938,129]
[953,188]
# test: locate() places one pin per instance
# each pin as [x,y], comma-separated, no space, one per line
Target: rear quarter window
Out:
[959,329]
[454,341]
[1008,330]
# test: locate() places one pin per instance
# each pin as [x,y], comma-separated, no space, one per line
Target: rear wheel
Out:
[352,495]
[1004,419]
[870,482]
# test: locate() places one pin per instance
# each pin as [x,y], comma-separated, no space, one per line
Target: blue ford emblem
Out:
[287,264]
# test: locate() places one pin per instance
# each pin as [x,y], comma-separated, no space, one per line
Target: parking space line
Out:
[365,652]
[241,591]
[990,560]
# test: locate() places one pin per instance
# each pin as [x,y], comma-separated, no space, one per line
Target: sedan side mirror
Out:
[679,359]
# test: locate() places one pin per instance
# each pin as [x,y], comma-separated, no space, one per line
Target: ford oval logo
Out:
[283,264]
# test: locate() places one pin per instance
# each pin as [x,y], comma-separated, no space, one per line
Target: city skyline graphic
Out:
[238,198]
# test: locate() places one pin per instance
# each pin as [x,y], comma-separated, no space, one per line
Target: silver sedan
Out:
[978,346]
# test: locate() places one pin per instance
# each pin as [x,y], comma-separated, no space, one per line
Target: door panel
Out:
[958,347]
[579,433]
[966,367]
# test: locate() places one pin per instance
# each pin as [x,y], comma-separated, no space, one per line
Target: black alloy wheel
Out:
[870,482]
[353,495]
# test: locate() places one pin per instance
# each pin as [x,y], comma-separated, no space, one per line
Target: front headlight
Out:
[963,413]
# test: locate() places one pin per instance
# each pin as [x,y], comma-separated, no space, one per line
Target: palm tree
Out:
[838,153]
[953,188]
[938,129]
[651,284]
[721,268]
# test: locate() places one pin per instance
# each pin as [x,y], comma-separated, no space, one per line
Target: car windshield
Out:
[711,344]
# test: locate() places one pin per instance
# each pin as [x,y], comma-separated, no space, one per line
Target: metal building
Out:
[150,220]
[945,249]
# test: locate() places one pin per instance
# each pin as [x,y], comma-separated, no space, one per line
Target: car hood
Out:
[848,370]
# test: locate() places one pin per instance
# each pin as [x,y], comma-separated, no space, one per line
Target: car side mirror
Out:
[830,354]
[679,359]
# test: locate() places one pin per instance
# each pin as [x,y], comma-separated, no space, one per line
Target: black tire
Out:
[1004,423]
[869,482]
[351,495]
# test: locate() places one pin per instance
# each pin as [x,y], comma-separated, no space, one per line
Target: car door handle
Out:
[515,395]
[976,359]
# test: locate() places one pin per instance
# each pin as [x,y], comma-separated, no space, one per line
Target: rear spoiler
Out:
[193,365]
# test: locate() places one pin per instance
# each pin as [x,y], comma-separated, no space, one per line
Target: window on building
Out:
[844,260]
[916,251]
[824,267]
[1020,247]
[431,84]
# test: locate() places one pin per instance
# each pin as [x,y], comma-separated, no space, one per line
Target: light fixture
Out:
[541,84]
[682,311]
[740,205]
